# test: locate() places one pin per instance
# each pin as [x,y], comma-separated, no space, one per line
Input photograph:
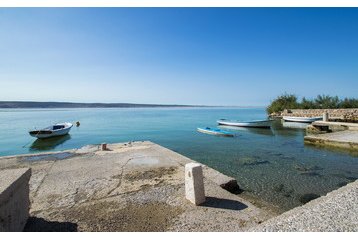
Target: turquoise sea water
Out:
[273,164]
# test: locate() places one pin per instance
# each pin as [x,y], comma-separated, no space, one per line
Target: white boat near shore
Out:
[301,119]
[58,129]
[255,123]
[294,125]
[215,131]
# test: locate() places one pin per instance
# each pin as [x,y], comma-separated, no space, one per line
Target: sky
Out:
[196,56]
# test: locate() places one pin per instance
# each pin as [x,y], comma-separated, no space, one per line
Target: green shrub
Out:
[283,102]
[289,101]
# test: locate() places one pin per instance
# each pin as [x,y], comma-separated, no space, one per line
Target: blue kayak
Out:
[215,131]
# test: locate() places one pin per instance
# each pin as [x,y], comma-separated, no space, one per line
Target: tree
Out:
[325,101]
[349,103]
[307,104]
[285,101]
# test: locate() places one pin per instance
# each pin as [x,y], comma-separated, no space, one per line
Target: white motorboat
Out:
[255,123]
[301,119]
[58,129]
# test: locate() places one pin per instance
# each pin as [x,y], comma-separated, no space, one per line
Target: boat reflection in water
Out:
[294,125]
[49,143]
[260,131]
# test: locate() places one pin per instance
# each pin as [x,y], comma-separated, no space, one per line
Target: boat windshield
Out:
[57,127]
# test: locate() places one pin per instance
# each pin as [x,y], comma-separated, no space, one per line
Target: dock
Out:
[137,186]
[334,134]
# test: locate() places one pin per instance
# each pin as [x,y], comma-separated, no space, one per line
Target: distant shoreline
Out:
[44,105]
[31,104]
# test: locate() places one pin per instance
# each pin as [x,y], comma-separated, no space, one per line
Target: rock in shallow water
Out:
[305,198]
[252,161]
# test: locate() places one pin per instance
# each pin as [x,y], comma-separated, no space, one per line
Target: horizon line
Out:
[114,104]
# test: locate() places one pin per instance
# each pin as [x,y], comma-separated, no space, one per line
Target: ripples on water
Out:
[272,164]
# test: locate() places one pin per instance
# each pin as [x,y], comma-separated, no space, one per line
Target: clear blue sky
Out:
[212,56]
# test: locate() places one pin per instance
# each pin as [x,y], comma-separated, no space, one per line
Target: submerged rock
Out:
[281,189]
[341,184]
[310,173]
[305,198]
[252,161]
[303,168]
[351,179]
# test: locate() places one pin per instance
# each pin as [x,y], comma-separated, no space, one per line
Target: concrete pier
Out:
[14,199]
[342,139]
[336,126]
[138,186]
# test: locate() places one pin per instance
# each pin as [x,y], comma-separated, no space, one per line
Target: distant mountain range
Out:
[22,104]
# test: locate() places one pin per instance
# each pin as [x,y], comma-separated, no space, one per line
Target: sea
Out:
[273,165]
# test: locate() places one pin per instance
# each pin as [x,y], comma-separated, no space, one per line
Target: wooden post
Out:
[194,183]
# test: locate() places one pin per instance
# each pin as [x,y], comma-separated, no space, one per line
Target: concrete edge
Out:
[16,184]
[297,210]
[228,183]
[333,143]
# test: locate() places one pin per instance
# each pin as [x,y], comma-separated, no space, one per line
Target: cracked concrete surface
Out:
[136,186]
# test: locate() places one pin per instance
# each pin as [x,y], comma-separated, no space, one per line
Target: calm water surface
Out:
[272,164]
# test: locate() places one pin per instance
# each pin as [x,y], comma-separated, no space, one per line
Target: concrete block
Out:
[103,146]
[194,183]
[325,116]
[14,199]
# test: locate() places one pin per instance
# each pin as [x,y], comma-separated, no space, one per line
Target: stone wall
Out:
[348,115]
[14,199]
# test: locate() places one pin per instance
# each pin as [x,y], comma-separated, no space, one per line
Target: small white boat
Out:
[58,129]
[294,125]
[256,123]
[301,119]
[215,131]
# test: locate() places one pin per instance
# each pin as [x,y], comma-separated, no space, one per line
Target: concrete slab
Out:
[14,199]
[337,211]
[343,139]
[348,125]
[135,186]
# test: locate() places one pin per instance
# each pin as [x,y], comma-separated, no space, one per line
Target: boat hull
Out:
[216,132]
[47,133]
[301,119]
[254,124]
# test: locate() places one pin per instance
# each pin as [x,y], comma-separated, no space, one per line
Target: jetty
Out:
[136,186]
[333,134]
[141,186]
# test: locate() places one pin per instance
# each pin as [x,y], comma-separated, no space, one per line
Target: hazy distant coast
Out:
[22,104]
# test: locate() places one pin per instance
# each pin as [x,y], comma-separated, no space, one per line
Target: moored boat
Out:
[255,123]
[215,131]
[58,129]
[294,125]
[301,119]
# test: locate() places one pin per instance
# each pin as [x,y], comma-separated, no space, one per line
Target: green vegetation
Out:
[290,101]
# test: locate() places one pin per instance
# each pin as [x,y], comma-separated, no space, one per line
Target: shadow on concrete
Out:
[223,203]
[39,224]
